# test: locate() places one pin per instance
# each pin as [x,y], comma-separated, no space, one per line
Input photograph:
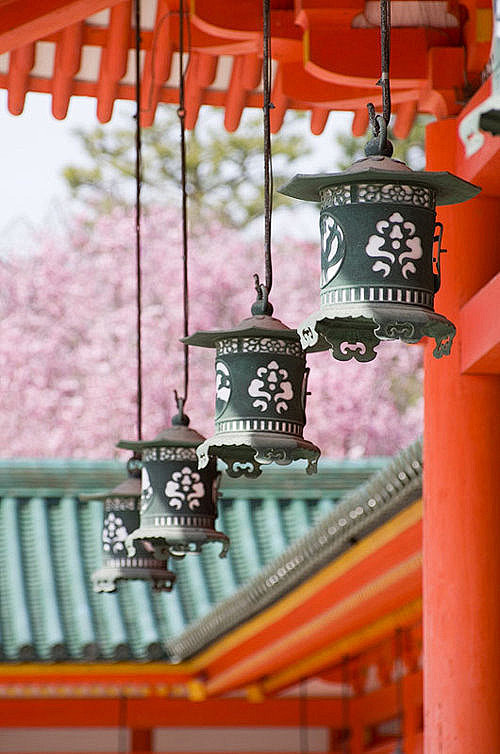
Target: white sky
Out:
[36,147]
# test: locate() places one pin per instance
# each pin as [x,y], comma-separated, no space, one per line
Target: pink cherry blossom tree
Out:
[67,341]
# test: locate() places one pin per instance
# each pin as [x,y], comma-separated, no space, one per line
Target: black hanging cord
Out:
[262,305]
[138,185]
[385,56]
[380,145]
[181,112]
[268,199]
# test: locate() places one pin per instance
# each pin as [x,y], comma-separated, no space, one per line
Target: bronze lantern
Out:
[380,255]
[178,504]
[121,517]
[261,388]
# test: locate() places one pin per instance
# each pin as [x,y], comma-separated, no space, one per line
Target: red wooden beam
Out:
[157,63]
[236,96]
[200,74]
[66,66]
[480,330]
[360,122]
[319,118]
[327,629]
[114,58]
[406,113]
[322,598]
[20,64]
[154,711]
[280,102]
[22,22]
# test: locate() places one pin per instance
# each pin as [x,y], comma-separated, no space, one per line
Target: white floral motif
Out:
[114,534]
[185,486]
[397,241]
[271,386]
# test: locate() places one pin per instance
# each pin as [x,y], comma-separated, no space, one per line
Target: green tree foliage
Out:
[410,150]
[224,170]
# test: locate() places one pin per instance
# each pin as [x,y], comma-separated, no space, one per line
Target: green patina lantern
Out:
[261,388]
[380,255]
[121,517]
[178,505]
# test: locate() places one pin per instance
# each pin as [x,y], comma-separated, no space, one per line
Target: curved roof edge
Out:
[360,512]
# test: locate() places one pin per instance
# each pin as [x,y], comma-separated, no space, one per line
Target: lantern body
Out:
[380,256]
[178,504]
[121,517]
[261,387]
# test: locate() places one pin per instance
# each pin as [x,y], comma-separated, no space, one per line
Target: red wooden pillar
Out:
[141,740]
[461,566]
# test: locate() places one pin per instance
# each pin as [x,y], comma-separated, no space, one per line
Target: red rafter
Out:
[157,63]
[236,95]
[113,60]
[66,66]
[23,22]
[319,118]
[20,64]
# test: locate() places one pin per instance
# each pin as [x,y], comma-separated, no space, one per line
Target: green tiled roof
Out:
[50,543]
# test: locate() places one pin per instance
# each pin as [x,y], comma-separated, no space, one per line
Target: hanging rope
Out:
[385,57]
[138,185]
[262,304]
[181,112]
[379,144]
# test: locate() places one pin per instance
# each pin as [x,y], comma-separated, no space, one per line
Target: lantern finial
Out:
[180,419]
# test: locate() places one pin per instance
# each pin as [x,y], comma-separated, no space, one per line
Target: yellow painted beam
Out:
[301,594]
[348,645]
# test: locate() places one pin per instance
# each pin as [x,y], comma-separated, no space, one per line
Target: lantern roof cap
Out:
[258,325]
[449,188]
[179,436]
[130,487]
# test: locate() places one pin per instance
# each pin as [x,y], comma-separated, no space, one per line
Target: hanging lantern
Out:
[380,255]
[121,517]
[178,502]
[261,388]
[380,243]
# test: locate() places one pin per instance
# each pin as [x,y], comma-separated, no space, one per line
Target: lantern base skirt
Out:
[245,453]
[174,541]
[107,579]
[353,331]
